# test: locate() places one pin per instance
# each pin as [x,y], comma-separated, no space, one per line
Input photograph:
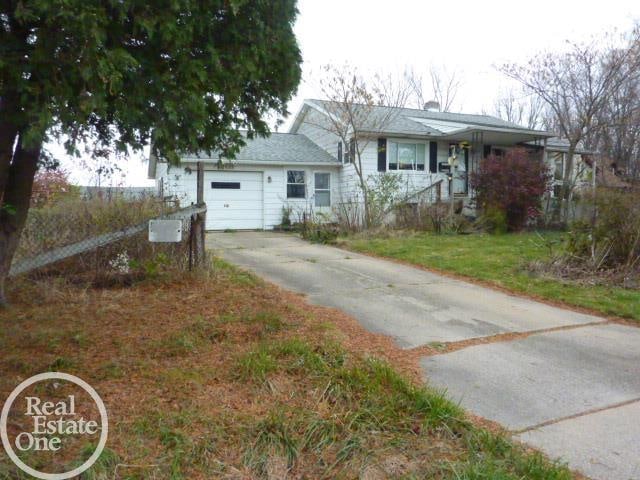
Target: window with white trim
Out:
[406,156]
[296,187]
[322,186]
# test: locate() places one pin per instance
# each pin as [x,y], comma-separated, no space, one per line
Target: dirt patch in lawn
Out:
[220,375]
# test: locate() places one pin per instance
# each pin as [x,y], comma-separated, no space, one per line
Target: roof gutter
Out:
[535,133]
[213,161]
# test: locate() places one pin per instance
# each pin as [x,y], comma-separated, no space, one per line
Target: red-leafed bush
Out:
[513,185]
[51,186]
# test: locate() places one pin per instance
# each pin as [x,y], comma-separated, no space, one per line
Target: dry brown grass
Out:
[72,220]
[220,375]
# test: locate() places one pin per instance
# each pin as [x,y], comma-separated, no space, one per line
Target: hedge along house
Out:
[309,170]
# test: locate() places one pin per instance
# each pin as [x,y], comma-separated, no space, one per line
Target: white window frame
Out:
[415,163]
[316,189]
[304,183]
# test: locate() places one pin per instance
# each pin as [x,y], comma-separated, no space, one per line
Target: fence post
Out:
[200,183]
[197,254]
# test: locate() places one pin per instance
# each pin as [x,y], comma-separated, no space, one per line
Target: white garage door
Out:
[234,200]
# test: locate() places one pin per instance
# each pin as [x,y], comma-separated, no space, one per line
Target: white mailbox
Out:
[165,230]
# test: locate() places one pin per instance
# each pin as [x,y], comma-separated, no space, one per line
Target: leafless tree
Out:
[522,108]
[443,86]
[576,85]
[351,104]
[619,138]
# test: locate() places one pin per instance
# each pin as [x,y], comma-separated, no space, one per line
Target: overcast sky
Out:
[468,37]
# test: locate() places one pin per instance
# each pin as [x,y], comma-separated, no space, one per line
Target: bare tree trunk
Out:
[567,183]
[15,206]
[365,193]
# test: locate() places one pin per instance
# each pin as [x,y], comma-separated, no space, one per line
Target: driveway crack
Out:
[576,415]
[449,347]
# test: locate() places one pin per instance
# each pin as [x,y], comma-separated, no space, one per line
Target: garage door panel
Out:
[237,195]
[234,225]
[238,204]
[220,211]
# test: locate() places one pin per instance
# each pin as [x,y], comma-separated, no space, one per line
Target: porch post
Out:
[477,147]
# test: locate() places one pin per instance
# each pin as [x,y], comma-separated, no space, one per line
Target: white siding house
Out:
[283,171]
[308,171]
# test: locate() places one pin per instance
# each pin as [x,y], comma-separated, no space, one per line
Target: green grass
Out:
[501,260]
[234,274]
[371,404]
[189,339]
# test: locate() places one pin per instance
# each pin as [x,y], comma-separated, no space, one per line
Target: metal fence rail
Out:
[89,244]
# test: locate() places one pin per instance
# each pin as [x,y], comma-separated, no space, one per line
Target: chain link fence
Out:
[100,237]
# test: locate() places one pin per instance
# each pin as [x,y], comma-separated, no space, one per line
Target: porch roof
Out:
[495,135]
[408,122]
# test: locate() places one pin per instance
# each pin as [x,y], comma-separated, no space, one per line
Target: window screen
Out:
[322,192]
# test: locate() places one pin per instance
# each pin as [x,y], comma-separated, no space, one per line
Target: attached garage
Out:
[268,176]
[234,200]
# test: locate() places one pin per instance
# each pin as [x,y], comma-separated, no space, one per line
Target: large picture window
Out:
[322,192]
[295,184]
[406,156]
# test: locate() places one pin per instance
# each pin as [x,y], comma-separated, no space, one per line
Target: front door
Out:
[460,170]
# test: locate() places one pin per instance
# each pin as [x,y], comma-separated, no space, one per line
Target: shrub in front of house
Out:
[610,239]
[513,184]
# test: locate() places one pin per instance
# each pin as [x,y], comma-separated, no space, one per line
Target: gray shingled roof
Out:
[280,148]
[402,120]
[557,144]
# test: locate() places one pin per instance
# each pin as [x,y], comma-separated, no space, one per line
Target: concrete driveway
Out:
[572,392]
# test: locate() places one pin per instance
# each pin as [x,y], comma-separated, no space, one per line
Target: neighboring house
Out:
[609,177]
[310,170]
[557,150]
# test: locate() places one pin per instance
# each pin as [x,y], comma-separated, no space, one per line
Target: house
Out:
[285,170]
[556,156]
[309,169]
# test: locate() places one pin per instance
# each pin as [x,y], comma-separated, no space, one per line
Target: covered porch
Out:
[468,146]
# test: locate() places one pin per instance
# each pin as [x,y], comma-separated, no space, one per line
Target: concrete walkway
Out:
[572,392]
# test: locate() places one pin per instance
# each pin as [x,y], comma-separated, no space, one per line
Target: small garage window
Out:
[296,184]
[226,185]
[322,189]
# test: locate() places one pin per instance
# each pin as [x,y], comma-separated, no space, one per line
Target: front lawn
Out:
[225,376]
[500,260]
